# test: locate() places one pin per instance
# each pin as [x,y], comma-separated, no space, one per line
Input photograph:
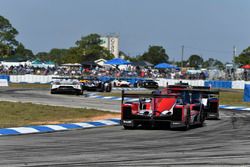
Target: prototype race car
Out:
[148,83]
[209,98]
[175,110]
[66,86]
[95,84]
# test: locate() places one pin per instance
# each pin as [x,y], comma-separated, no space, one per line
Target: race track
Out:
[43,96]
[219,142]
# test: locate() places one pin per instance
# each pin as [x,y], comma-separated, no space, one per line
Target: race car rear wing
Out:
[145,95]
[201,87]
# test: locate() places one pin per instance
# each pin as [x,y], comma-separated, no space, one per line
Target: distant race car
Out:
[66,86]
[121,83]
[148,83]
[152,110]
[95,84]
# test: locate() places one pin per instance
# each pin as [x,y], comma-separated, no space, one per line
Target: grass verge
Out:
[24,114]
[29,85]
[233,99]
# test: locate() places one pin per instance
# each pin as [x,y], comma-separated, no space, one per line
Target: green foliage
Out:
[244,57]
[57,55]
[22,52]
[127,57]
[179,63]
[89,48]
[195,61]
[214,63]
[7,37]
[155,55]
[43,56]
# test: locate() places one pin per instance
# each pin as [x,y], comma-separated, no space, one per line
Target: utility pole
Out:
[234,51]
[182,53]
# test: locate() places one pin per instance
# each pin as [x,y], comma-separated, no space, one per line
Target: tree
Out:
[195,61]
[127,57]
[58,54]
[179,63]
[214,63]
[43,56]
[7,37]
[89,48]
[244,57]
[22,52]
[155,55]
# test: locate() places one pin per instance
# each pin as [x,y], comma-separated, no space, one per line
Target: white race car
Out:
[67,86]
[121,83]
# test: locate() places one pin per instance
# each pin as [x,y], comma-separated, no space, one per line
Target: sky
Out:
[209,28]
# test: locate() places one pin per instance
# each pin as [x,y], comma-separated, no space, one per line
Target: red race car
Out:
[176,110]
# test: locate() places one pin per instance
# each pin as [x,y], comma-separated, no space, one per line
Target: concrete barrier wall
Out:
[31,78]
[219,84]
[4,82]
[161,81]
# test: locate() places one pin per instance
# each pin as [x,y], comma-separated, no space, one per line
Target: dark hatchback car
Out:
[148,83]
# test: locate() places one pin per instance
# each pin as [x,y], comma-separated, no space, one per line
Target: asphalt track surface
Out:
[219,142]
[43,96]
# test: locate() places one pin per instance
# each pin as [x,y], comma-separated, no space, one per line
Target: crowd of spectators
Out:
[130,71]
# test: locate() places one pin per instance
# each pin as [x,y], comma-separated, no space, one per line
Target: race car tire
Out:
[187,122]
[202,118]
[187,126]
[80,93]
[129,127]
[52,92]
[108,88]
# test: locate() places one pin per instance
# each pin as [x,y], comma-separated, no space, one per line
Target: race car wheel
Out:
[108,88]
[187,122]
[80,93]
[187,126]
[52,92]
[129,127]
[202,118]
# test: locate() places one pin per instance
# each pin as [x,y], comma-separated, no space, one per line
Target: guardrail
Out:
[161,81]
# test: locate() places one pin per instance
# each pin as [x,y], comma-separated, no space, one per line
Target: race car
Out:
[154,109]
[209,98]
[95,84]
[66,86]
[121,83]
[148,83]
